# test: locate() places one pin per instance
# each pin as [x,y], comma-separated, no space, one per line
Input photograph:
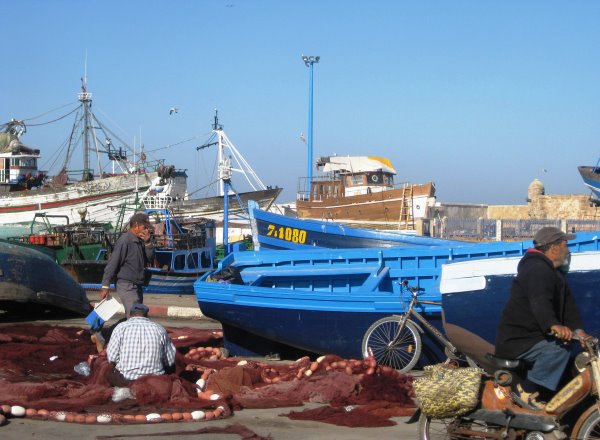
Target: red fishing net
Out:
[37,379]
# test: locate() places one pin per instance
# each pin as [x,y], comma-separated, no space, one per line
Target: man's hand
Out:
[561,332]
[104,293]
[583,336]
[145,234]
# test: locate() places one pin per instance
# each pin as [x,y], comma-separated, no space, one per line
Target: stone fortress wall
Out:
[539,206]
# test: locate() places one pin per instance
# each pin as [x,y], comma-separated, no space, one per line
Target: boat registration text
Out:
[285,233]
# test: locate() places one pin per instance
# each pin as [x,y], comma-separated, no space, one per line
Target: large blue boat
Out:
[591,178]
[474,292]
[323,301]
[276,231]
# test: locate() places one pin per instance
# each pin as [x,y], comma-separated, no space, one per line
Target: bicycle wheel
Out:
[399,351]
[456,428]
[590,427]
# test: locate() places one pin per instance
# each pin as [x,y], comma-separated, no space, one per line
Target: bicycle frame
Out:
[411,311]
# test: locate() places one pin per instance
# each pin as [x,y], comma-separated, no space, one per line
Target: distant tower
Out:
[534,192]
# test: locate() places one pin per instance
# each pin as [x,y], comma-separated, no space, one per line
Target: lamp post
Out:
[308,62]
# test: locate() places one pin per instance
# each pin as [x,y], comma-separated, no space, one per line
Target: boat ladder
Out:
[406,220]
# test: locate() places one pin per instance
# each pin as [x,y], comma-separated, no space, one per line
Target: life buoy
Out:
[374,178]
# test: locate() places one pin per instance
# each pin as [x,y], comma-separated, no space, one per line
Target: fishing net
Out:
[37,378]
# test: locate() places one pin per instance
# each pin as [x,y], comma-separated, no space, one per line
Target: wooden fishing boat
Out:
[360,191]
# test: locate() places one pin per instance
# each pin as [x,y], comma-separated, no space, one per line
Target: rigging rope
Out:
[172,145]
[50,111]
[206,186]
[54,120]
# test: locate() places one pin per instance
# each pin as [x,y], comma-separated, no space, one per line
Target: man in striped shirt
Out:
[139,347]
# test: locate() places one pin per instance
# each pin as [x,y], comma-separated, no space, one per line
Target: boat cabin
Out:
[18,164]
[351,176]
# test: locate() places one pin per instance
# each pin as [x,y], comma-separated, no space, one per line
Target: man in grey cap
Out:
[139,347]
[540,317]
[127,262]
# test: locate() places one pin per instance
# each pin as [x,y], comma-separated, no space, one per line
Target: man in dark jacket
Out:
[127,262]
[540,316]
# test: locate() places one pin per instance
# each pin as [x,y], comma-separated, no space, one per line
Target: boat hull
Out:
[30,277]
[213,207]
[339,292]
[591,178]
[95,196]
[275,231]
[474,293]
[380,210]
[157,282]
[263,330]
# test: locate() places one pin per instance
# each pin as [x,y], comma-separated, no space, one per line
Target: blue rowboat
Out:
[275,231]
[323,301]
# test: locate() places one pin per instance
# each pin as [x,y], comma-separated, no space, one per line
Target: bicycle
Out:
[395,340]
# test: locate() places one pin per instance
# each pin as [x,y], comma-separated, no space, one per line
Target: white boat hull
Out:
[97,196]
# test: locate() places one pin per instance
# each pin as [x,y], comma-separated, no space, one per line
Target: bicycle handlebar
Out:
[411,289]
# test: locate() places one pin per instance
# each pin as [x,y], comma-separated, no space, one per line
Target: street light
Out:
[308,62]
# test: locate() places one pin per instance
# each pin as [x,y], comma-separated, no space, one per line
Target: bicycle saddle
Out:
[501,363]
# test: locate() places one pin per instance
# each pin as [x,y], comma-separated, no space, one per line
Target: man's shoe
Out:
[527,400]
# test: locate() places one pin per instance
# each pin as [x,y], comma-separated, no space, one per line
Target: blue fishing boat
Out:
[474,292]
[184,251]
[31,280]
[323,301]
[591,178]
[275,231]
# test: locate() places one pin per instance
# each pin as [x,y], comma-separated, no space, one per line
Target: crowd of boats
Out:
[312,282]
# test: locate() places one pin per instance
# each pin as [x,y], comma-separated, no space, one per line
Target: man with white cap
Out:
[540,316]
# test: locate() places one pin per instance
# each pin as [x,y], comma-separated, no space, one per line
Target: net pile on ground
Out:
[37,380]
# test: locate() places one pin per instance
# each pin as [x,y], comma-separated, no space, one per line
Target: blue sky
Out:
[480,97]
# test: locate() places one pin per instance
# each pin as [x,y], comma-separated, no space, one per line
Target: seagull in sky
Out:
[302,138]
[173,110]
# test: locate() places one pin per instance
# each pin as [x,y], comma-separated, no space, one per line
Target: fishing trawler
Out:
[175,197]
[360,191]
[25,190]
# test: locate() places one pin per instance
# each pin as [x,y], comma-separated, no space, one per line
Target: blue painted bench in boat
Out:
[255,275]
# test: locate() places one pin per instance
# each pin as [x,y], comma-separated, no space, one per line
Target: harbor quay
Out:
[264,423]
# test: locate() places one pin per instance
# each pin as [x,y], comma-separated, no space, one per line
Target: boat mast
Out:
[225,178]
[86,101]
[224,161]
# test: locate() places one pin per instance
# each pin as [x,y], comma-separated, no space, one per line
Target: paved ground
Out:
[263,422]
[172,306]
